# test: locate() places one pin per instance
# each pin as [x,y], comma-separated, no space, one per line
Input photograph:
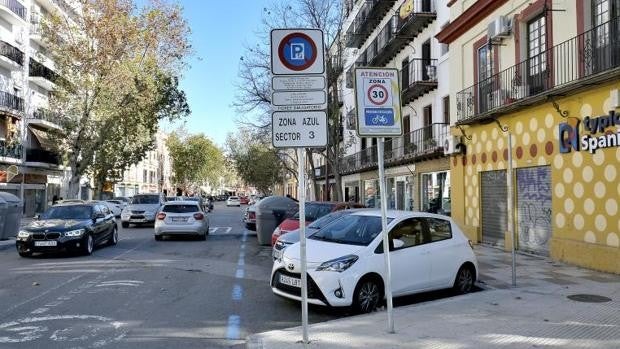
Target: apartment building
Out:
[151,175]
[26,80]
[396,34]
[546,74]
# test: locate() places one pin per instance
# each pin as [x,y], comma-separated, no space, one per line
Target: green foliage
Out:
[195,159]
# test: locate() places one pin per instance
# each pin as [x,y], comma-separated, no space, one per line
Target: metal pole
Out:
[301,159]
[511,228]
[386,245]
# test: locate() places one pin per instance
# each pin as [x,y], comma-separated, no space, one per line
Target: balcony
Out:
[45,118]
[13,151]
[401,30]
[11,57]
[42,156]
[10,102]
[13,11]
[359,63]
[418,78]
[588,59]
[368,17]
[422,144]
[42,75]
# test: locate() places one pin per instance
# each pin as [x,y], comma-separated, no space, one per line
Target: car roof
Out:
[398,214]
[90,204]
[181,202]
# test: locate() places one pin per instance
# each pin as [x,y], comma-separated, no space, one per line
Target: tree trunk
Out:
[315,187]
[74,182]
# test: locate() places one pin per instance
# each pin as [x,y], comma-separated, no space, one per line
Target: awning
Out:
[44,139]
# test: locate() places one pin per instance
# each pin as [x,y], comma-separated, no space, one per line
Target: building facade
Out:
[29,166]
[546,74]
[151,175]
[401,35]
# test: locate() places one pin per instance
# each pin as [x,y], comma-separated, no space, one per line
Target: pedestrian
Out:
[54,199]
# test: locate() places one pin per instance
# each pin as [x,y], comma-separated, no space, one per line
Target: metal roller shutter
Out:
[494,206]
[534,208]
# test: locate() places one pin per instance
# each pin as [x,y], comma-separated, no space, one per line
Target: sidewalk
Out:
[10,243]
[535,314]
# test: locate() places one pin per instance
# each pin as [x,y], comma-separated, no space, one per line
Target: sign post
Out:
[379,115]
[299,119]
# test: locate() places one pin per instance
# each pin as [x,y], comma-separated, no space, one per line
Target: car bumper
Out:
[179,229]
[145,220]
[62,244]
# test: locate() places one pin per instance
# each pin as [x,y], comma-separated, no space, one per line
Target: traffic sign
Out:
[297,51]
[297,98]
[378,102]
[298,82]
[299,129]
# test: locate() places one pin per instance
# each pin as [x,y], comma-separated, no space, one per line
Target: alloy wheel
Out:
[368,297]
[89,244]
[464,280]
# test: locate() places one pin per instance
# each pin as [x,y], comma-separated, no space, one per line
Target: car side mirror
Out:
[398,243]
[37,217]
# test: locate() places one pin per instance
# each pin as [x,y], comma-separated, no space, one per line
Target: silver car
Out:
[181,218]
[142,209]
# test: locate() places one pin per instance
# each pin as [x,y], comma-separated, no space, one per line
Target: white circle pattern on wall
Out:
[533,124]
[611,207]
[549,121]
[586,110]
[599,190]
[526,139]
[589,237]
[560,221]
[569,205]
[559,190]
[568,175]
[578,190]
[558,161]
[541,135]
[519,127]
[599,157]
[577,159]
[578,221]
[612,240]
[588,206]
[610,172]
[587,174]
[600,222]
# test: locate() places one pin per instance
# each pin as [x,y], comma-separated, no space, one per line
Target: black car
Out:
[69,227]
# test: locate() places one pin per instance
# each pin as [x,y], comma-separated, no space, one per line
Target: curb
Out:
[7,244]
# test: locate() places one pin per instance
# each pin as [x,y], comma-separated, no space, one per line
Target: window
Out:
[439,229]
[408,233]
[537,45]
[446,109]
[173,208]
[144,176]
[485,63]
[351,230]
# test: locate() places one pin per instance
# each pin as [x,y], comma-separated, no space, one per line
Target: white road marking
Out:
[228,229]
[39,311]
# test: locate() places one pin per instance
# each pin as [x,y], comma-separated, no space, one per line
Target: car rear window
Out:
[145,199]
[315,211]
[233,198]
[180,208]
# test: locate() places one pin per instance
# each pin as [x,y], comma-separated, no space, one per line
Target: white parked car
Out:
[233,201]
[346,263]
[181,218]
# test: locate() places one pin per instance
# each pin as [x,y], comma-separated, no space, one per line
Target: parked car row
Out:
[346,263]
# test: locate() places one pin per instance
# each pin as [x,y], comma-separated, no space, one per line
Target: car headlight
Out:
[277,231]
[339,264]
[23,234]
[74,233]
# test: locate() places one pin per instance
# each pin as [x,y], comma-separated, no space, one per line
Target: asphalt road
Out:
[143,293]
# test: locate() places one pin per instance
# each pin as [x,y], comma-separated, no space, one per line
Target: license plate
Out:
[287,280]
[45,243]
[137,220]
[179,219]
[277,254]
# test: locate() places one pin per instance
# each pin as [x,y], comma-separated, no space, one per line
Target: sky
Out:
[220,29]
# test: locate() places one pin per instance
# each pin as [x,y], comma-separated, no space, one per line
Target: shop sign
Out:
[600,132]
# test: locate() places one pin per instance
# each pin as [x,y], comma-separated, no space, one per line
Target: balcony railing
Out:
[591,54]
[417,78]
[10,150]
[11,101]
[426,142]
[369,15]
[15,6]
[46,115]
[41,155]
[400,30]
[13,53]
[39,70]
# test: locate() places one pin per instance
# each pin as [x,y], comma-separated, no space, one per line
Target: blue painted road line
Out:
[239,274]
[232,330]
[237,293]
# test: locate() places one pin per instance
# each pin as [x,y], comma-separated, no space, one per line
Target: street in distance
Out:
[299,129]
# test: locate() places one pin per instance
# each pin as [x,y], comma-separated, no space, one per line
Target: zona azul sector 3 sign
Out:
[601,132]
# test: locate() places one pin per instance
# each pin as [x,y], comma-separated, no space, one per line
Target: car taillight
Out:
[161,216]
[198,216]
[252,215]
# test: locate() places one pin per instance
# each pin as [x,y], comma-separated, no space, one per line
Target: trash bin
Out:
[270,212]
[2,218]
[13,216]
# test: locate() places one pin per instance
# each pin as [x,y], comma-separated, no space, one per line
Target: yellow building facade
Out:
[547,74]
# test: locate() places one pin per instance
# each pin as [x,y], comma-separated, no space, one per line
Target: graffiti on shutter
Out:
[534,208]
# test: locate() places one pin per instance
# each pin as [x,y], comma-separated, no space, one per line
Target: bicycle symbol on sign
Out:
[379,120]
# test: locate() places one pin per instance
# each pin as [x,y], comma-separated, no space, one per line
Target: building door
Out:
[605,38]
[485,71]
[493,205]
[428,126]
[404,74]
[426,6]
[534,208]
[426,61]
[537,54]
[400,195]
[407,134]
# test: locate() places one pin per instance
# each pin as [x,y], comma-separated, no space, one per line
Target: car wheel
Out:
[208,229]
[125,225]
[464,281]
[89,245]
[113,240]
[158,237]
[367,296]
[24,254]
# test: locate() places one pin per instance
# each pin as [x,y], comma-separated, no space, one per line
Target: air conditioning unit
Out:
[499,28]
[451,145]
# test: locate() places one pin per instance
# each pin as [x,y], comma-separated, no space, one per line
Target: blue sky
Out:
[219,31]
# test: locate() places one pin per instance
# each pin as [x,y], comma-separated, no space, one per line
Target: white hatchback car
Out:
[233,201]
[346,263]
[181,218]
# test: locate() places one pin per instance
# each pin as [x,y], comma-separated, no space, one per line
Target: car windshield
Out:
[351,230]
[145,199]
[68,212]
[233,198]
[121,199]
[114,202]
[315,211]
[180,208]
[325,220]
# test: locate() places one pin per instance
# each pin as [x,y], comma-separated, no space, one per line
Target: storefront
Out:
[565,175]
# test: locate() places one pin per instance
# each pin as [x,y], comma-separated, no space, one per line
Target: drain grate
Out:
[589,298]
